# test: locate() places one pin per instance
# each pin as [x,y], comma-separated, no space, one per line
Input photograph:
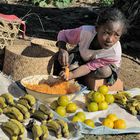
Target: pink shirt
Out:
[83,36]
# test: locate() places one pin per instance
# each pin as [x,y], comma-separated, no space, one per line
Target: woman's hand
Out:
[63,57]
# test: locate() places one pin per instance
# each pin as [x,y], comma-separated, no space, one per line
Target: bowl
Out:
[49,79]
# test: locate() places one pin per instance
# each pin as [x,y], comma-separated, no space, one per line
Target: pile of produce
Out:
[131,104]
[22,110]
[27,115]
[99,100]
[60,87]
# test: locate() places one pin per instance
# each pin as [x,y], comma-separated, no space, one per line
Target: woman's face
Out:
[109,33]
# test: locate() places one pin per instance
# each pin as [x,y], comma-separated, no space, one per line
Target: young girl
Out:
[98,51]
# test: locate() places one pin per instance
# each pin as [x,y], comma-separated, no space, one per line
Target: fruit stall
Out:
[67,114]
[36,105]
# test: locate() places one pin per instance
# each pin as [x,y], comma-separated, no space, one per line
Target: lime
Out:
[81,115]
[103,89]
[89,122]
[71,108]
[98,97]
[103,105]
[63,100]
[61,111]
[109,98]
[92,107]
[76,119]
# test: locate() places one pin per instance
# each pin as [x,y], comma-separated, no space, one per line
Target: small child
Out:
[98,51]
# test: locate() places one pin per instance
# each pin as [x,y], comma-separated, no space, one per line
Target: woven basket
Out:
[8,32]
[27,58]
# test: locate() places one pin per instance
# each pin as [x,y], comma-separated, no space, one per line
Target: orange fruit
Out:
[81,115]
[92,107]
[109,98]
[63,100]
[108,123]
[71,108]
[98,97]
[61,111]
[119,124]
[89,122]
[112,117]
[102,105]
[103,89]
[76,119]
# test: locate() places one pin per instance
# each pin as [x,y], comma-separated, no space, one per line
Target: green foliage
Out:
[106,2]
[57,3]
[62,3]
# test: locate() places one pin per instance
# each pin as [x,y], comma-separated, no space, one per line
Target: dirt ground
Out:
[46,22]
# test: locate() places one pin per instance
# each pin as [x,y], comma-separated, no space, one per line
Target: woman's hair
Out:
[112,15]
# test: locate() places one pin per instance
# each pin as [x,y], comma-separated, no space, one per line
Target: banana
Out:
[37,131]
[2,102]
[14,138]
[120,98]
[8,131]
[54,105]
[23,110]
[45,132]
[8,98]
[1,111]
[124,93]
[90,95]
[31,100]
[11,128]
[135,102]
[25,103]
[45,110]
[39,115]
[20,125]
[133,110]
[54,126]
[64,127]
[138,108]
[136,97]
[15,113]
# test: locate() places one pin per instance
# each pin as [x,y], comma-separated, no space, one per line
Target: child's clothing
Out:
[84,37]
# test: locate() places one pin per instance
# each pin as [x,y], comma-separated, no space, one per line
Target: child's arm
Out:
[81,71]
[70,36]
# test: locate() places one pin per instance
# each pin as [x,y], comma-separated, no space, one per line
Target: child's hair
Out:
[112,15]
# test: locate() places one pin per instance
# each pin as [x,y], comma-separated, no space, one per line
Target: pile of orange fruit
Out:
[112,121]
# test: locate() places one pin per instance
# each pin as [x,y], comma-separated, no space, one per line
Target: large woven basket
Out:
[27,58]
[8,32]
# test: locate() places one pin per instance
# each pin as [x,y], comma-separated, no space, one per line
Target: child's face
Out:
[109,33]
